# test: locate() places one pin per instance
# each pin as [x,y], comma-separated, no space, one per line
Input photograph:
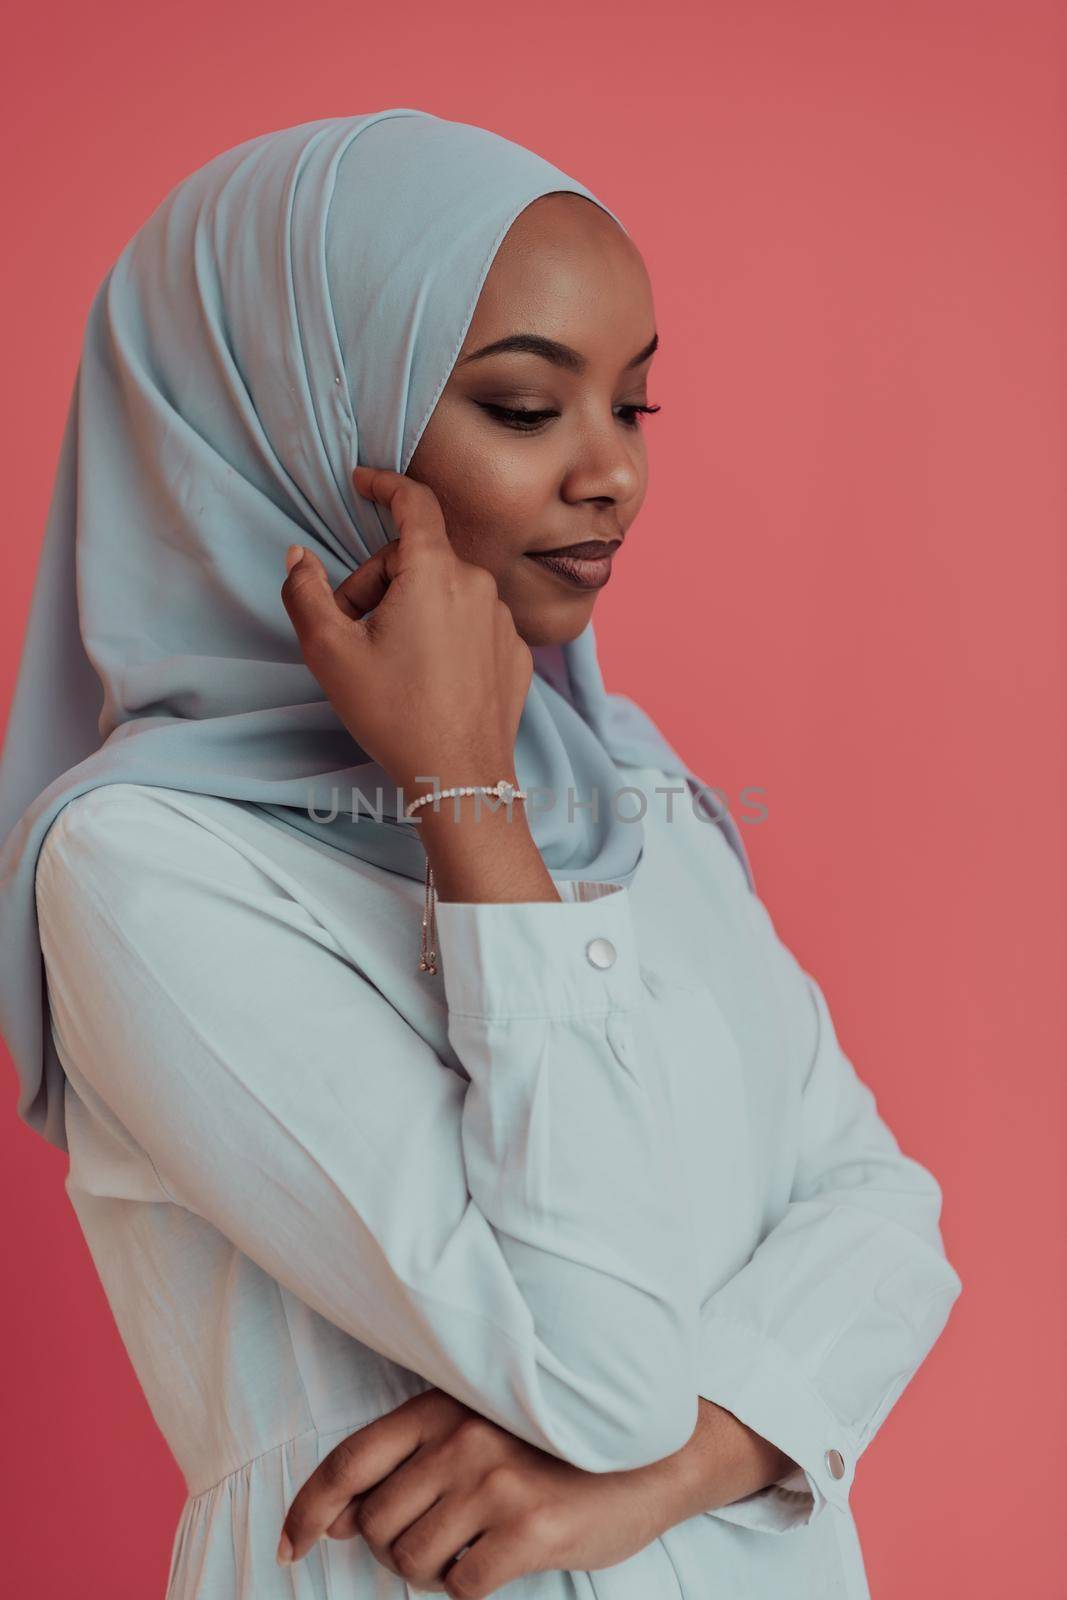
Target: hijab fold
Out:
[290,309]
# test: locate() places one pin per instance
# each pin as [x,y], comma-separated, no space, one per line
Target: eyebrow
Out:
[561,355]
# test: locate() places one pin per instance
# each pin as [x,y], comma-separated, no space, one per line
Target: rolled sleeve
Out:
[813,1341]
[764,1387]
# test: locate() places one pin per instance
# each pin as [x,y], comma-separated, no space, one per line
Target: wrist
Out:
[723,1461]
[429,786]
[483,852]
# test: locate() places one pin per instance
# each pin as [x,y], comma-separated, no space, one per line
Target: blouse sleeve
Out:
[488,1236]
[813,1341]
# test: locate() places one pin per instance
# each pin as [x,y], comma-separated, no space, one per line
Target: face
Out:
[576,471]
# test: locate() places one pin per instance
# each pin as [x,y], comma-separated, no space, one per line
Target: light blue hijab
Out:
[292,308]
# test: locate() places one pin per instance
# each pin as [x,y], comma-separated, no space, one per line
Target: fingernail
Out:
[294,554]
[285,1551]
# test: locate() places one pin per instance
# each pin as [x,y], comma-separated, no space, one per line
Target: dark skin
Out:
[567,271]
[432,1477]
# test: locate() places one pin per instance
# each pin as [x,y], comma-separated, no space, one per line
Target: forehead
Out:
[566,269]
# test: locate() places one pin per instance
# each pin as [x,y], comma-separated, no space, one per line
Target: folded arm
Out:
[813,1341]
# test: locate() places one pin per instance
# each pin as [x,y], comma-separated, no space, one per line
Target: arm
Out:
[724,1461]
[815,1339]
[486,1236]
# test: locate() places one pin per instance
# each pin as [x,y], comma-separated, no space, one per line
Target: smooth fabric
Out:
[315,1181]
[292,308]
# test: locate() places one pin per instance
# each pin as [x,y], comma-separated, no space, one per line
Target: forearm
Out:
[483,854]
[722,1462]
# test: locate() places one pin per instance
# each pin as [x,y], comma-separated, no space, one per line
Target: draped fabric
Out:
[293,307]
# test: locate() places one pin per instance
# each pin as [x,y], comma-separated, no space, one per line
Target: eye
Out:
[633,412]
[529,421]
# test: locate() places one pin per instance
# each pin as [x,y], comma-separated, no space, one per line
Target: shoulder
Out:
[99,822]
[140,855]
[98,811]
[134,877]
[105,827]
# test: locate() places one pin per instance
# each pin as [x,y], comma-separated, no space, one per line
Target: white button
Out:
[600,953]
[835,1463]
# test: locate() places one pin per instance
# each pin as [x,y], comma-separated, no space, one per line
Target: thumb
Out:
[306,593]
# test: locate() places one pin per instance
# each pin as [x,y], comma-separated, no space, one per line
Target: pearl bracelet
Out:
[503,790]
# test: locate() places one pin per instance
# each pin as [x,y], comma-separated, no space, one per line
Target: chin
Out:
[551,628]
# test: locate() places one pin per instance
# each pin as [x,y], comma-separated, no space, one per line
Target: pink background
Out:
[845,588]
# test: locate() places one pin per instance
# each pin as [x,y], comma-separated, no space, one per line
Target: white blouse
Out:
[610,1159]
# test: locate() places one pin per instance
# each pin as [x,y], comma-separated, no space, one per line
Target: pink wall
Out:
[853,216]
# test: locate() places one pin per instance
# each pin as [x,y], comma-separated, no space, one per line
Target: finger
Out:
[424,1551]
[346,1526]
[352,1467]
[493,1560]
[414,507]
[399,1505]
[307,595]
[365,588]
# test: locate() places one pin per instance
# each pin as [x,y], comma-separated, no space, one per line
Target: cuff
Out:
[539,958]
[759,1381]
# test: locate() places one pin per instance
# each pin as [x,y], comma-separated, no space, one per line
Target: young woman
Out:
[479,1182]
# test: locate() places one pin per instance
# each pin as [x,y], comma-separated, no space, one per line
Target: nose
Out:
[606,467]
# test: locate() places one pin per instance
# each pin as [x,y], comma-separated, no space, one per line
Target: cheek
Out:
[514,489]
[494,502]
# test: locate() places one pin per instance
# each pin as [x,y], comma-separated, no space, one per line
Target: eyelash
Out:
[527,421]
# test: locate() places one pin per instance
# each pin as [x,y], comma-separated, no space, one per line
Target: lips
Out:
[591,550]
[576,570]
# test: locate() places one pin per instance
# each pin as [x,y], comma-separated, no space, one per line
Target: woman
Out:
[569,1257]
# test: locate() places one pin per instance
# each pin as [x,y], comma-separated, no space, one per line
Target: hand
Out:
[440,647]
[424,1481]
